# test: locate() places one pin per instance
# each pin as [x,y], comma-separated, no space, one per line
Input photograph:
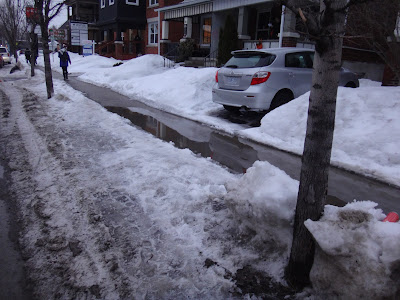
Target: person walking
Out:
[64,60]
[28,56]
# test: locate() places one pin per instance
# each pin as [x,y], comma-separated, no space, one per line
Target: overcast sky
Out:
[60,18]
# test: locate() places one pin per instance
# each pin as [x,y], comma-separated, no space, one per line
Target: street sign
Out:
[87,49]
[59,34]
[31,12]
[79,33]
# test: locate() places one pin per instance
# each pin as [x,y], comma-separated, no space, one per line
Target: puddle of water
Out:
[239,154]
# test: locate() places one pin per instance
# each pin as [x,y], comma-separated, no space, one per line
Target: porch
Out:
[122,50]
[257,21]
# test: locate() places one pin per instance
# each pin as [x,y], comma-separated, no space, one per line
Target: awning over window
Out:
[229,4]
[186,9]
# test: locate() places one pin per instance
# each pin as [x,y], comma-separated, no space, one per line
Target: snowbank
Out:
[358,255]
[367,131]
[263,201]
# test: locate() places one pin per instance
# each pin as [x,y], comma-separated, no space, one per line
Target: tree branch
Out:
[57,9]
[351,3]
[302,15]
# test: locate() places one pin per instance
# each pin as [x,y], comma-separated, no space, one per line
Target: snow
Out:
[360,244]
[367,130]
[99,181]
[110,211]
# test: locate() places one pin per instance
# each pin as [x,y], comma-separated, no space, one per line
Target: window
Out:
[246,60]
[132,2]
[153,2]
[268,23]
[111,2]
[103,3]
[153,33]
[299,60]
[207,31]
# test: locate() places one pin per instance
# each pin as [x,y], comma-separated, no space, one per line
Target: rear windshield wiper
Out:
[232,66]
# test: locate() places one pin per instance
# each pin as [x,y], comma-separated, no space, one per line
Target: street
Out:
[108,210]
[236,154]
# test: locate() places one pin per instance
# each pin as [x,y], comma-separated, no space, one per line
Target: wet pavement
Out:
[235,153]
[12,279]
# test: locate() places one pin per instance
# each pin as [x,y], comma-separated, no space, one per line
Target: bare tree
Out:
[376,25]
[46,11]
[12,18]
[324,21]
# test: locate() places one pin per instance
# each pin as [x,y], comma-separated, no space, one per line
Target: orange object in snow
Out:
[391,217]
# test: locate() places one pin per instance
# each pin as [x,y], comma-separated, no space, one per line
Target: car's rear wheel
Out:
[282,97]
[231,108]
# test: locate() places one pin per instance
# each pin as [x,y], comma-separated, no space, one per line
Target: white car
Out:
[5,54]
[264,79]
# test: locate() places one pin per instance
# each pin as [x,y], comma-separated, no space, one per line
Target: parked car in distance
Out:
[5,54]
[264,79]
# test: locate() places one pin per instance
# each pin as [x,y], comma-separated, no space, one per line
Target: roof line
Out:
[183,4]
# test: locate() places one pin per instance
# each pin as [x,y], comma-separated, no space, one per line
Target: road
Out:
[237,154]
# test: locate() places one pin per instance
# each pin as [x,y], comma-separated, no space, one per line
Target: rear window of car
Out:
[250,60]
[3,50]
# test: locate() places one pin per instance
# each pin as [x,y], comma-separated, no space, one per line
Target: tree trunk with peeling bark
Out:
[319,136]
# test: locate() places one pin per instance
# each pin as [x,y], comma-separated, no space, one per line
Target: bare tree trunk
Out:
[47,65]
[46,11]
[33,46]
[318,143]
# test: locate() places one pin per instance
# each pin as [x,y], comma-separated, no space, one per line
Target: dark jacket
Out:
[64,57]
[28,54]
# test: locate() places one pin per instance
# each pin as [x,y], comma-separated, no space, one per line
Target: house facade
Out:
[258,21]
[157,27]
[121,27]
[85,11]
[129,28]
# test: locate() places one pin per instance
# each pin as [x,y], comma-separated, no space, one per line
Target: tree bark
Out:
[33,46]
[47,65]
[318,142]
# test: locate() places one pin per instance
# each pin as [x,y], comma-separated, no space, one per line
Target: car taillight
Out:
[260,77]
[216,76]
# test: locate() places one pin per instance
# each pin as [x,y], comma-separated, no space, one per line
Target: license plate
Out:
[231,80]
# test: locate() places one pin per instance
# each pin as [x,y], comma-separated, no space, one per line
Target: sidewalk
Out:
[112,212]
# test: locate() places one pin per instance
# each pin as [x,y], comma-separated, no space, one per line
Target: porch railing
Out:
[211,59]
[171,57]
[106,48]
[130,49]
[252,44]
